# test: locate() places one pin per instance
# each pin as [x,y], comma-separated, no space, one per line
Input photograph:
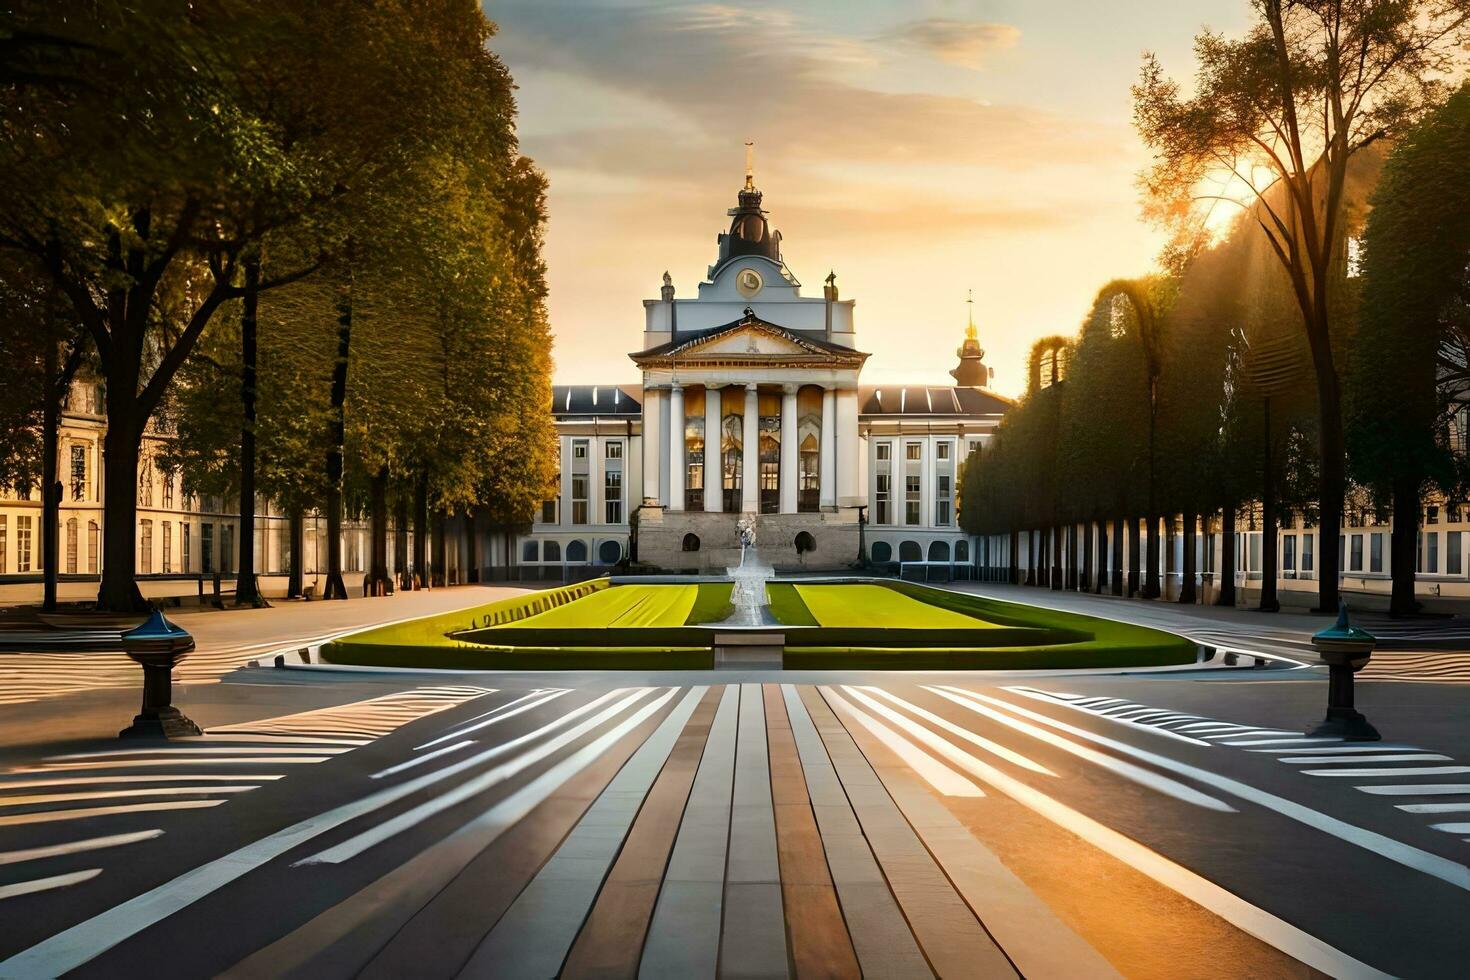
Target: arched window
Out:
[691,542]
[529,551]
[609,552]
[939,551]
[910,551]
[882,551]
[551,551]
[577,552]
[805,542]
[962,550]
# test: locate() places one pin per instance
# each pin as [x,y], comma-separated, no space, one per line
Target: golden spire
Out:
[749,165]
[970,332]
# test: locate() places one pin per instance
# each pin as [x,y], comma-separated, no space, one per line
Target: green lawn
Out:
[620,607]
[712,605]
[877,605]
[787,606]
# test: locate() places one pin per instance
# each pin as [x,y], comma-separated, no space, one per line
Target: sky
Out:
[918,149]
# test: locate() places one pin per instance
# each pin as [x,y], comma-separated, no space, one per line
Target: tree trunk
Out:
[1084,579]
[296,525]
[50,485]
[1269,561]
[472,547]
[1226,593]
[118,590]
[1187,594]
[378,582]
[247,591]
[1151,587]
[1119,536]
[400,542]
[1403,546]
[1058,579]
[1134,558]
[335,587]
[1333,454]
[438,574]
[420,572]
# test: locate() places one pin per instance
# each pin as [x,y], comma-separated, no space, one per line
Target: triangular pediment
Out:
[751,339]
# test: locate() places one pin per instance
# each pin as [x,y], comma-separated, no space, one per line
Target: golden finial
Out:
[749,165]
[970,332]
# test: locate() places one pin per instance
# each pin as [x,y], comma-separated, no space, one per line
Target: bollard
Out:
[1345,649]
[157,646]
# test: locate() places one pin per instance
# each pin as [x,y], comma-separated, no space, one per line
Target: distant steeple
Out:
[971,371]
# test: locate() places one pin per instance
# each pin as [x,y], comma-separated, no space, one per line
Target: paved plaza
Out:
[335,823]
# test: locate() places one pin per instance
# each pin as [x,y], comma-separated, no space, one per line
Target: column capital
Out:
[713,385]
[789,388]
[752,386]
[676,386]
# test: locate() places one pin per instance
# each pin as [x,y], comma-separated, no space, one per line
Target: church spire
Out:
[749,165]
[971,372]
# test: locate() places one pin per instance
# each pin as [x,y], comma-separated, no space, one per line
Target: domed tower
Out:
[749,233]
[971,371]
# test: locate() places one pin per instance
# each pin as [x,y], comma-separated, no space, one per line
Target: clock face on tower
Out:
[748,282]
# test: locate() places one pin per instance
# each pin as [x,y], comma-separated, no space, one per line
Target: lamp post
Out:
[157,646]
[1346,650]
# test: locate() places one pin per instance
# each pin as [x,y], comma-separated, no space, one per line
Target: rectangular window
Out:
[168,490]
[529,551]
[227,548]
[911,499]
[71,546]
[1375,553]
[1432,516]
[94,539]
[3,531]
[1288,554]
[1432,566]
[145,482]
[206,548]
[885,452]
[184,549]
[942,450]
[913,450]
[23,543]
[579,498]
[549,510]
[612,496]
[615,450]
[168,547]
[943,500]
[1452,553]
[579,449]
[145,547]
[1308,541]
[883,500]
[78,472]
[1357,553]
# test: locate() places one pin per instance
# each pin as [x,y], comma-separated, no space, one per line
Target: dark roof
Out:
[930,400]
[686,338]
[594,400]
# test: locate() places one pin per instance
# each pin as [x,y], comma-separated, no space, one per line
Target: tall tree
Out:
[1311,84]
[1409,371]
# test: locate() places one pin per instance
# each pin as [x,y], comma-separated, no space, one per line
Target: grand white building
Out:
[752,402]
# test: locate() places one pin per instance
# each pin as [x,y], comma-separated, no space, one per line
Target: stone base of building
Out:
[662,540]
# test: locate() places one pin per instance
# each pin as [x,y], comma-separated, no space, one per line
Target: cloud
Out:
[966,43]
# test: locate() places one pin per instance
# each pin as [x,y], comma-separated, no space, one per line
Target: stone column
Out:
[750,502]
[714,484]
[663,449]
[652,449]
[828,497]
[677,471]
[789,480]
[850,493]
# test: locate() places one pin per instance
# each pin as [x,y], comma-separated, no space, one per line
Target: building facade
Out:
[751,402]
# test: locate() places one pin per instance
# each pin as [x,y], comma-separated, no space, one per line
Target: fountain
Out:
[748,595]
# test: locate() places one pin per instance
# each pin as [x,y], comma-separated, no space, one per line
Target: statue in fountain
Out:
[748,595]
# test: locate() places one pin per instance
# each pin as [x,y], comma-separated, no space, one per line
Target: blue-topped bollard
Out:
[1345,649]
[157,646]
